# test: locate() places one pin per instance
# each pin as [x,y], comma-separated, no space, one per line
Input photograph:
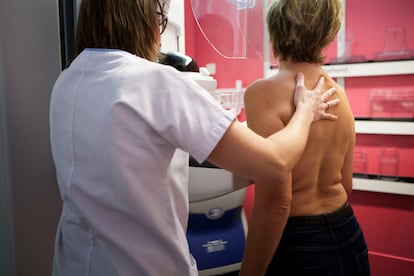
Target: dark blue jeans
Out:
[328,244]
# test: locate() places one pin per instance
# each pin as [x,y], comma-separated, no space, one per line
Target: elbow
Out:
[277,206]
[282,172]
[278,178]
[282,202]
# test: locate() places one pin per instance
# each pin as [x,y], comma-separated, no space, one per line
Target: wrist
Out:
[305,110]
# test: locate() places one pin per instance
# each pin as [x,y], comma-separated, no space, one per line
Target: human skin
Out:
[321,178]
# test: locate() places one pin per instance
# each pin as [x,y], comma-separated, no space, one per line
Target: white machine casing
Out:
[217,225]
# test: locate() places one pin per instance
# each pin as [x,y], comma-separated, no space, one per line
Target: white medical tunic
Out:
[116,122]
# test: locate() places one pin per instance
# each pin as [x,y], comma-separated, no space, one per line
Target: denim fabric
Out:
[326,245]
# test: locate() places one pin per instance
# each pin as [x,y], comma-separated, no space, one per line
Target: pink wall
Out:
[221,31]
[388,224]
[370,22]
[387,220]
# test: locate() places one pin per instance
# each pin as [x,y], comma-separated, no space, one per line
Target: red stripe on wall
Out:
[391,256]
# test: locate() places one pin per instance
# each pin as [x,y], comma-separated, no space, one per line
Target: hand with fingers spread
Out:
[315,99]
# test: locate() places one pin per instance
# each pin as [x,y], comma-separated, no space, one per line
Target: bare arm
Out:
[268,219]
[272,201]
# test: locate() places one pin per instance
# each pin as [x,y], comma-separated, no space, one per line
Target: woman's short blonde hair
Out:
[300,29]
[128,25]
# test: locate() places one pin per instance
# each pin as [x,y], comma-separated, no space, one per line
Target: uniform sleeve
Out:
[183,113]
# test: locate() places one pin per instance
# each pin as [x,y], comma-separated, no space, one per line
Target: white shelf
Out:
[384,127]
[383,186]
[387,68]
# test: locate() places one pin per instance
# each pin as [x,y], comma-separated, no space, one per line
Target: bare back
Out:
[323,175]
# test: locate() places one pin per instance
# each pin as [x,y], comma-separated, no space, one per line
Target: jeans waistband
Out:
[341,213]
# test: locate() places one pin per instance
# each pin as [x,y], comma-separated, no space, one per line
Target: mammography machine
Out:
[217,224]
[217,227]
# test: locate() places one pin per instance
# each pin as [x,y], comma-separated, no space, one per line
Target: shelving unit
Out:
[384,68]
[387,68]
[383,186]
[384,127]
[369,69]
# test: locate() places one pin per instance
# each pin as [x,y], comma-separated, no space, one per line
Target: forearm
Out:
[265,230]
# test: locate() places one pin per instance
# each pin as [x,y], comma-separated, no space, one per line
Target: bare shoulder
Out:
[257,88]
[270,89]
[269,103]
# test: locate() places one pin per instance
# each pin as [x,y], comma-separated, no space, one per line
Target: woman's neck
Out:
[304,67]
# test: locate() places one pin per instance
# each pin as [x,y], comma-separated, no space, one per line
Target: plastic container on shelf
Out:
[230,98]
[392,103]
[389,163]
[395,45]
[387,155]
[360,160]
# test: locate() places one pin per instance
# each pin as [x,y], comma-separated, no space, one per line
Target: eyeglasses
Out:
[162,21]
[162,18]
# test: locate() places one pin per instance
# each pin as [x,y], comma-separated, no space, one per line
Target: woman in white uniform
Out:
[117,117]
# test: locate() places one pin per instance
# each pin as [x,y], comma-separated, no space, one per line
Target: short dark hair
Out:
[300,29]
[128,25]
